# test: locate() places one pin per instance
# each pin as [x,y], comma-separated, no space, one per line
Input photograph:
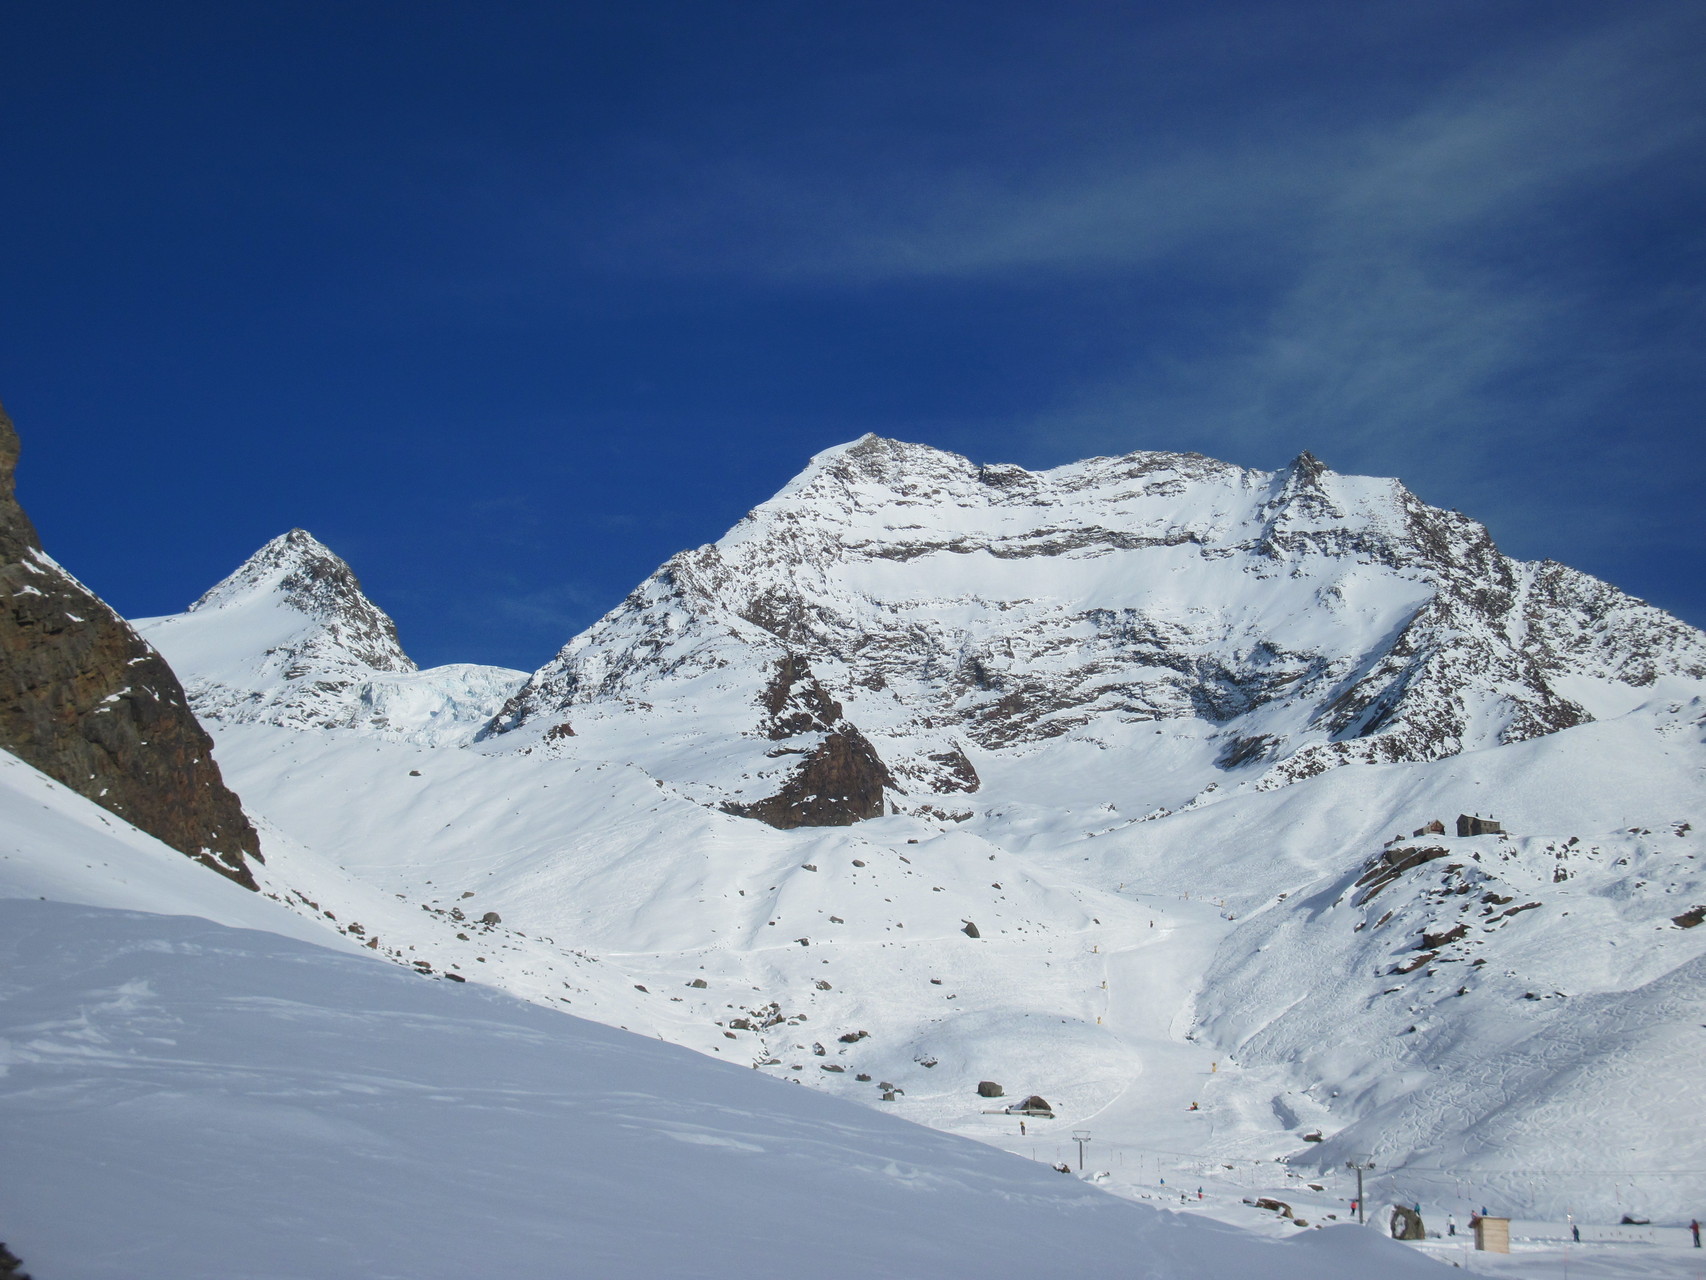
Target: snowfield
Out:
[183,1098]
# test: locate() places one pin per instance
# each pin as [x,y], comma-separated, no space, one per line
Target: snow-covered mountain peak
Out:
[290,638]
[1208,619]
[299,573]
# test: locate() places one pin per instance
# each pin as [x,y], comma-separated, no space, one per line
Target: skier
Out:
[1575,1231]
[1451,1224]
[1021,1128]
[1694,1229]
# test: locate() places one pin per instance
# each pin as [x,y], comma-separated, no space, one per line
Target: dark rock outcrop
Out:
[1407,1224]
[841,782]
[90,704]
[1385,867]
[11,1266]
[842,779]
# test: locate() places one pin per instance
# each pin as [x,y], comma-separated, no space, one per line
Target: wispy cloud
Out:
[1432,282]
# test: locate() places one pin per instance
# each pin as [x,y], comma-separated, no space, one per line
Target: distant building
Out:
[1434,828]
[1468,826]
[1492,1235]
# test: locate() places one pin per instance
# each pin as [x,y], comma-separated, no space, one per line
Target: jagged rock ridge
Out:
[90,704]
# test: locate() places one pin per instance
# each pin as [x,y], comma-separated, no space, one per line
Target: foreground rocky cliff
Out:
[86,701]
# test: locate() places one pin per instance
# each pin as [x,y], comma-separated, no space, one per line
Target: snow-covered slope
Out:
[1521,1010]
[1065,781]
[57,846]
[183,1098]
[290,639]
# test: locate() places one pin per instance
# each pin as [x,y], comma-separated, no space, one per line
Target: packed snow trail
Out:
[1152,986]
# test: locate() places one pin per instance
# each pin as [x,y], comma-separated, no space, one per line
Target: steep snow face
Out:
[290,639]
[1297,620]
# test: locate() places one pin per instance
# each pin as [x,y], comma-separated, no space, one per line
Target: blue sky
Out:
[509,302]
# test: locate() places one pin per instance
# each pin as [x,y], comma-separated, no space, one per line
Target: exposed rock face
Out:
[842,778]
[86,701]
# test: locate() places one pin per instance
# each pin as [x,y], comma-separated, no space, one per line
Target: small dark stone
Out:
[455,977]
[970,930]
[491,917]
[1432,940]
[989,1089]
[699,983]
